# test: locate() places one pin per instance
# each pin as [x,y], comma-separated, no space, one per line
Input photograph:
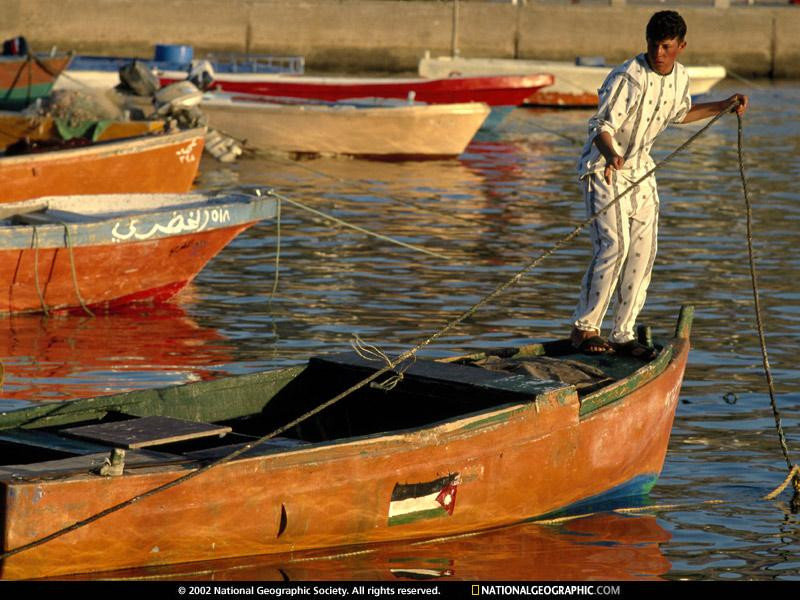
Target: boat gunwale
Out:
[464,425]
[243,209]
[107,148]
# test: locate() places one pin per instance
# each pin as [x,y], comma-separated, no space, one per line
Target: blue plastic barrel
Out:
[174,53]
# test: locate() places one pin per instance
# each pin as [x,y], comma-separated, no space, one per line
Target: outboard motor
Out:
[137,78]
[201,74]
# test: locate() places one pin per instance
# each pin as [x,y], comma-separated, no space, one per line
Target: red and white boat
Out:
[575,84]
[503,90]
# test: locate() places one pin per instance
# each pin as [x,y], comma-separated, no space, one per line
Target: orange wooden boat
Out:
[15,126]
[23,79]
[165,163]
[454,447]
[63,252]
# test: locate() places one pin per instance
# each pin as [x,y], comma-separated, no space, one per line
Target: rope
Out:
[569,138]
[277,247]
[793,469]
[35,244]
[373,353]
[74,273]
[16,77]
[357,228]
[745,80]
[367,380]
[415,205]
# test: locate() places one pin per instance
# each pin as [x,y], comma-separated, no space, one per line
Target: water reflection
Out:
[64,357]
[605,546]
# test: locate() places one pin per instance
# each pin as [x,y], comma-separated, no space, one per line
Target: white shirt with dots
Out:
[635,104]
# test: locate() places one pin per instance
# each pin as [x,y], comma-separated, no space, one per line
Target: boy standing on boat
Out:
[636,103]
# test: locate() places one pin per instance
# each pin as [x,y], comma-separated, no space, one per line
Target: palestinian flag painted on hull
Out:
[413,502]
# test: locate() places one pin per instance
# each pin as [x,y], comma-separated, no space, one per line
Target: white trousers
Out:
[624,241]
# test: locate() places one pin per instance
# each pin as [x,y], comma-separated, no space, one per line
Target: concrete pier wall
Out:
[391,35]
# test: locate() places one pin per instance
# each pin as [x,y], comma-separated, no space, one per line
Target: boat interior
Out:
[205,421]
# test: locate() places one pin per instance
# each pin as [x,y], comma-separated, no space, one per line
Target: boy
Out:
[636,103]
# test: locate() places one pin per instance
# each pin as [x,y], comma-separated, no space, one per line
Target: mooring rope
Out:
[17,77]
[416,205]
[378,373]
[564,136]
[35,244]
[68,241]
[794,471]
[277,247]
[380,236]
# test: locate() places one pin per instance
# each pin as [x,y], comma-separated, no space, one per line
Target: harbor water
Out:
[510,196]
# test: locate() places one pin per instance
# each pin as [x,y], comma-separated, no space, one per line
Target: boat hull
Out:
[23,80]
[515,463]
[382,132]
[110,262]
[574,85]
[165,163]
[507,90]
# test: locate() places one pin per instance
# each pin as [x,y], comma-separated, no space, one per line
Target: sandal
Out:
[635,349]
[587,345]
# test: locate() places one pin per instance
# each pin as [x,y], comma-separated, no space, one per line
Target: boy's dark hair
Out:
[666,25]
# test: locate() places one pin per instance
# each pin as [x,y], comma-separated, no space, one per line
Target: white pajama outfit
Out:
[635,104]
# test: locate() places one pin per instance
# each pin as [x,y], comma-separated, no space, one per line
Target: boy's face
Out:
[662,54]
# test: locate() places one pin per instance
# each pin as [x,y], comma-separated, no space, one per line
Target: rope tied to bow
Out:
[373,353]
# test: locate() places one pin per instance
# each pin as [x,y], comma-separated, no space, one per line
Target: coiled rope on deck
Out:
[390,366]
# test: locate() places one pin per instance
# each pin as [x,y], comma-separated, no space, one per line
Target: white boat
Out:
[575,84]
[388,131]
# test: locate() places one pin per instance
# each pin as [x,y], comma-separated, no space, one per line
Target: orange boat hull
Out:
[110,275]
[164,163]
[517,462]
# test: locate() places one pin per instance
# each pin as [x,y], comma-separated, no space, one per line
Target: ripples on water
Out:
[510,196]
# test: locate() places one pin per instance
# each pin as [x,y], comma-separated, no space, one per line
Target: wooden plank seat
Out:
[146,431]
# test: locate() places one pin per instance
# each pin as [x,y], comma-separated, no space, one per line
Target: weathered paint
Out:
[164,163]
[23,80]
[113,257]
[529,464]
[373,131]
[215,400]
[506,90]
[14,126]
